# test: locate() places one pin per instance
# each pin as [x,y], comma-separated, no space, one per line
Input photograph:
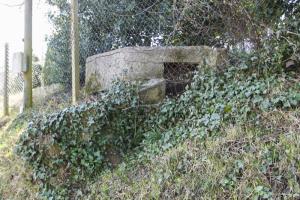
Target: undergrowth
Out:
[243,162]
[73,147]
[229,136]
[233,97]
[68,148]
[232,135]
[15,177]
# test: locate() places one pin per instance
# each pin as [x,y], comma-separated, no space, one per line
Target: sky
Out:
[12,27]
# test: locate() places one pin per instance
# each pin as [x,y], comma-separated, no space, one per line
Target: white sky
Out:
[12,27]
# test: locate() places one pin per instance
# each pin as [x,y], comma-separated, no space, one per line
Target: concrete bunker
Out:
[164,70]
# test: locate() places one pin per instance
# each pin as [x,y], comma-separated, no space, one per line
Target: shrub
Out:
[67,148]
[239,95]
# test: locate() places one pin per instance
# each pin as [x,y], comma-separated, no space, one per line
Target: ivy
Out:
[239,95]
[70,147]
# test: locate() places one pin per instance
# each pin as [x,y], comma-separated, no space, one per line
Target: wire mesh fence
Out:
[15,80]
[106,25]
[152,23]
[109,25]
[10,82]
[14,38]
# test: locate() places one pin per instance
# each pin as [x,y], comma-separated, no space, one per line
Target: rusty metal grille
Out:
[178,76]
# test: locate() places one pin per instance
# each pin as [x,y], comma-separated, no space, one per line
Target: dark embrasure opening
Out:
[178,76]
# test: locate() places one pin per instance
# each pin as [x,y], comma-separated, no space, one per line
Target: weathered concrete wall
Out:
[153,91]
[145,63]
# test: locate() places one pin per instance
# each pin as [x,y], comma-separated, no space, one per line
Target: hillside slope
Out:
[244,161]
[232,135]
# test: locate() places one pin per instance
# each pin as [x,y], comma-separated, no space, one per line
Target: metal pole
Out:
[27,101]
[75,52]
[5,83]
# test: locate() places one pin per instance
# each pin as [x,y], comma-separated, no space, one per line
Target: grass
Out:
[39,94]
[245,162]
[15,179]
[242,160]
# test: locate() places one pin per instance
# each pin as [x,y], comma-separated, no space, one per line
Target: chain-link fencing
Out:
[11,88]
[109,25]
[114,24]
[15,80]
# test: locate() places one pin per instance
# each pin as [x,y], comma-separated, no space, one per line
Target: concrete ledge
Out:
[153,91]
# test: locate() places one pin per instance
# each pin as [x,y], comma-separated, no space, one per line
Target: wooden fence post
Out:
[75,52]
[5,82]
[27,101]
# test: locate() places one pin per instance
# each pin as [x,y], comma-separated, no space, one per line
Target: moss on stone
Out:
[92,85]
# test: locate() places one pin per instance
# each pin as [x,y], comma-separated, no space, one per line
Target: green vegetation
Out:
[233,134]
[16,181]
[230,135]
[243,162]
[68,149]
[106,25]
